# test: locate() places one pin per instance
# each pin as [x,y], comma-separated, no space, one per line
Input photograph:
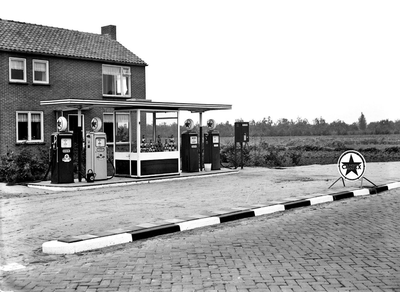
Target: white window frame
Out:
[9,69]
[124,71]
[29,140]
[47,71]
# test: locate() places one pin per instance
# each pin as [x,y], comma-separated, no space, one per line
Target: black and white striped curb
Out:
[87,242]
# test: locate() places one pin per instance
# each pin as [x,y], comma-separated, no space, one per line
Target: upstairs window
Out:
[40,71]
[30,127]
[116,81]
[17,70]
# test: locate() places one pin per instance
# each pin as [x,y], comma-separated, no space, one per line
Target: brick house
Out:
[39,63]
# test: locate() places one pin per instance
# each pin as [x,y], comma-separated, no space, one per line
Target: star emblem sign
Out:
[351,165]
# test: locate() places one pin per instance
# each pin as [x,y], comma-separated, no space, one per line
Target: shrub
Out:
[393,149]
[261,154]
[24,166]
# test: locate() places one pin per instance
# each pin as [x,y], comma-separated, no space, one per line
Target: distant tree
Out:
[283,127]
[382,127]
[396,125]
[301,127]
[338,127]
[362,123]
[320,127]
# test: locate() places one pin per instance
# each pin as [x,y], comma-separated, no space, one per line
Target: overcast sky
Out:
[283,59]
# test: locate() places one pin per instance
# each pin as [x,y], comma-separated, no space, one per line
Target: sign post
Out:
[351,166]
[241,136]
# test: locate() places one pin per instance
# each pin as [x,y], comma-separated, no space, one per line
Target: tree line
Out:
[318,127]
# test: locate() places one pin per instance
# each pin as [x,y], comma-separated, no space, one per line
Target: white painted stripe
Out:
[268,210]
[11,267]
[199,223]
[58,247]
[363,192]
[392,186]
[321,199]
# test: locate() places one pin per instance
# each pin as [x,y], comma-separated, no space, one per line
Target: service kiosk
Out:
[212,146]
[96,152]
[146,143]
[62,165]
[190,151]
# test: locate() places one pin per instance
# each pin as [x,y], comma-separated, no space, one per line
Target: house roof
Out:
[45,40]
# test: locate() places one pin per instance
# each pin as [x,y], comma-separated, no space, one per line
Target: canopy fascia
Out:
[135,104]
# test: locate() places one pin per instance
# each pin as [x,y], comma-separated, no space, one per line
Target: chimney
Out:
[110,30]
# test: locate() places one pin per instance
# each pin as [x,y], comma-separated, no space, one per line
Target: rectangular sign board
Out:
[242,132]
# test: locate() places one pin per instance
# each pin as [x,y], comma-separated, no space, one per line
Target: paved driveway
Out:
[30,217]
[351,245]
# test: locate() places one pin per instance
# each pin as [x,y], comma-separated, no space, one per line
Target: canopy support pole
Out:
[201,139]
[79,142]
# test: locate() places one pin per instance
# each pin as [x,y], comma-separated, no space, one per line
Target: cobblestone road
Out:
[349,245]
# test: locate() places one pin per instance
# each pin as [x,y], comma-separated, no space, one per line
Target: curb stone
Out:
[75,244]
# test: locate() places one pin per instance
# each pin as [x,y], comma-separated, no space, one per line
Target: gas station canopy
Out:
[136,104]
[129,157]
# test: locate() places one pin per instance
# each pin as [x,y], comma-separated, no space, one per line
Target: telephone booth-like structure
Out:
[62,153]
[146,143]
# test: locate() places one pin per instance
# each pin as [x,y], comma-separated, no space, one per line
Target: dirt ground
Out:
[31,216]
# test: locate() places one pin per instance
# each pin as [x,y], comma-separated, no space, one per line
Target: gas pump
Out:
[212,146]
[189,150]
[96,152]
[62,167]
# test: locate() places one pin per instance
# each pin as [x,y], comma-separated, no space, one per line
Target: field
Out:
[306,150]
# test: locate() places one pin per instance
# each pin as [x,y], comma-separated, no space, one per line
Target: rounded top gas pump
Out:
[212,146]
[62,167]
[189,149]
[96,152]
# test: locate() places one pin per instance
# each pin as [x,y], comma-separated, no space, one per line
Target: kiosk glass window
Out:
[134,131]
[159,132]
[122,132]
